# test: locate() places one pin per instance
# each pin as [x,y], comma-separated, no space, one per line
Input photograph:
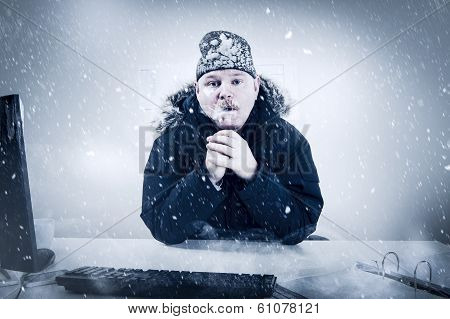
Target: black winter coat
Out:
[179,201]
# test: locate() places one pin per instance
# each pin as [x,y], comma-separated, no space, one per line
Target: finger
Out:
[221,148]
[219,162]
[214,163]
[229,133]
[218,159]
[221,139]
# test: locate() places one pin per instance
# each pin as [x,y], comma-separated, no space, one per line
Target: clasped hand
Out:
[227,149]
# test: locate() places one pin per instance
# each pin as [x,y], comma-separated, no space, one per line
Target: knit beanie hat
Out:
[223,50]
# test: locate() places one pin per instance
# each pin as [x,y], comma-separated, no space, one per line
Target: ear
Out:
[256,83]
[197,89]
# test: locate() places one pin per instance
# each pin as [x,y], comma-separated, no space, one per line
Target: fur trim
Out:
[173,112]
[272,95]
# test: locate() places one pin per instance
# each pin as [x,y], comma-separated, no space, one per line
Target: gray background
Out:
[379,133]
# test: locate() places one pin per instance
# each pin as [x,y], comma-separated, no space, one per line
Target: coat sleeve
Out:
[290,202]
[174,202]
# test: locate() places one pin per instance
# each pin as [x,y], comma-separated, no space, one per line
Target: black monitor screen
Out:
[17,239]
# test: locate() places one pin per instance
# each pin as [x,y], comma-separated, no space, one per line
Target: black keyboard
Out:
[166,284]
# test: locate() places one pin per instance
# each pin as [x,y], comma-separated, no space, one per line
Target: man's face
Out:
[227,97]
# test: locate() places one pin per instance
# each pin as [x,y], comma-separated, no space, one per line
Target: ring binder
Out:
[436,289]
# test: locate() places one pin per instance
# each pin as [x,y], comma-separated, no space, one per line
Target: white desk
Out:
[316,269]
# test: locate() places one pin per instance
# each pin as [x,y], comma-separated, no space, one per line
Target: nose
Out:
[225,92]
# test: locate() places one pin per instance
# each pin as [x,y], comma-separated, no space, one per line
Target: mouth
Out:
[229,110]
[228,107]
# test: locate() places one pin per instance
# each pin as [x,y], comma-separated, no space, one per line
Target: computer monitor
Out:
[18,250]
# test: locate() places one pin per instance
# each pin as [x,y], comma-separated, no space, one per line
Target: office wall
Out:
[93,74]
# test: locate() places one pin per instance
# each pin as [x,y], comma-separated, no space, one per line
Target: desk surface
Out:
[316,269]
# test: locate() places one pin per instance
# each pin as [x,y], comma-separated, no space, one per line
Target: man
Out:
[226,164]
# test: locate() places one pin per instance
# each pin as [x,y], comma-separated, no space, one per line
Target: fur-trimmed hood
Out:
[173,113]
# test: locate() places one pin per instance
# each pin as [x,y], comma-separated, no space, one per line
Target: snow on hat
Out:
[223,50]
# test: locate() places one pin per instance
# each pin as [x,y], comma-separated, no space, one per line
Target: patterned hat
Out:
[223,50]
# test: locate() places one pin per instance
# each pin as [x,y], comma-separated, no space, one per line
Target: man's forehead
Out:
[223,73]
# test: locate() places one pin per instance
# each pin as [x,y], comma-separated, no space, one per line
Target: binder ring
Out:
[378,267]
[415,275]
[384,258]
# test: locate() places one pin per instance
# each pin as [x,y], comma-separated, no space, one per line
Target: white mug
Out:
[44,229]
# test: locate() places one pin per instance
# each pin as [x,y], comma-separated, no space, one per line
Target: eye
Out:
[213,84]
[236,82]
